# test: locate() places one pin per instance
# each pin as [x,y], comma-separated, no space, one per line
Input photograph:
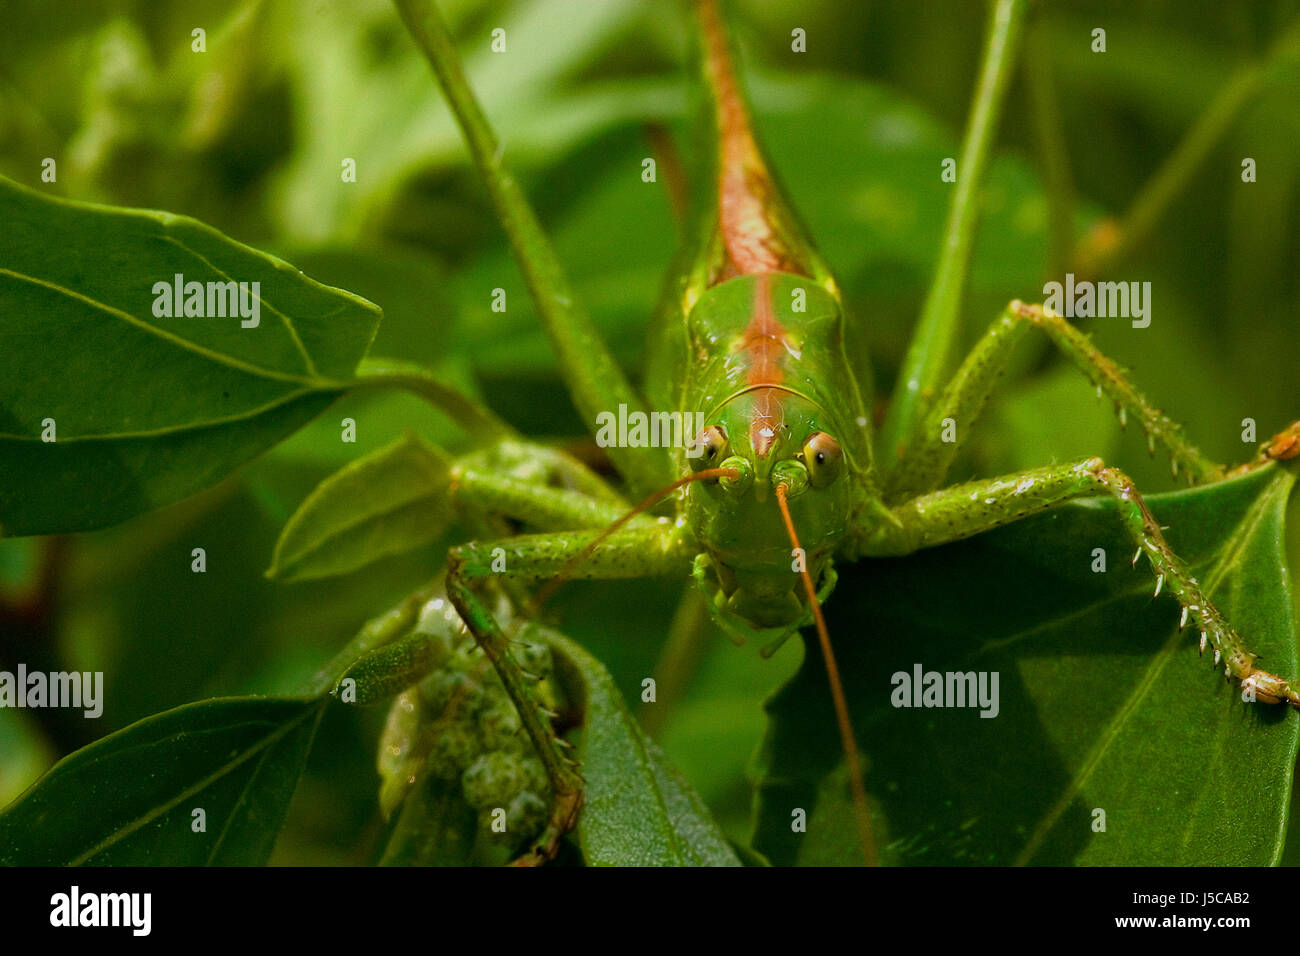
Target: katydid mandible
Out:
[783,482]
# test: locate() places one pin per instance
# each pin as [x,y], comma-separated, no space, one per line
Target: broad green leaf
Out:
[388,502]
[1104,705]
[711,733]
[638,811]
[147,410]
[129,799]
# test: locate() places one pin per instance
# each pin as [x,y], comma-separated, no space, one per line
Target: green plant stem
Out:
[1182,164]
[468,414]
[937,331]
[595,381]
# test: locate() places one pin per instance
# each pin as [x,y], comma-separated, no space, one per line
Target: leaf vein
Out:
[144,819]
[308,364]
[170,337]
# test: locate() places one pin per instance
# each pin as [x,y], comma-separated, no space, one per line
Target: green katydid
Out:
[784,480]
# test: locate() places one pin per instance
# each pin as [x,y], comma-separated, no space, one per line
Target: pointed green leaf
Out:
[638,810]
[1104,707]
[144,410]
[386,503]
[130,798]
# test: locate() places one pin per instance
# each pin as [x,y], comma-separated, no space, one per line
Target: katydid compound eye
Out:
[823,458]
[712,446]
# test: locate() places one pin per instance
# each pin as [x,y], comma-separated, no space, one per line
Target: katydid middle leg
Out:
[964,510]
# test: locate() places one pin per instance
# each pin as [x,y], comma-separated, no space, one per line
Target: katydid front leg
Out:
[642,550]
[965,510]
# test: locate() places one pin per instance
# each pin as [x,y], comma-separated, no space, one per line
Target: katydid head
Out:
[769,438]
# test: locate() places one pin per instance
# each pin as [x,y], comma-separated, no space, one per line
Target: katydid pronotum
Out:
[788,477]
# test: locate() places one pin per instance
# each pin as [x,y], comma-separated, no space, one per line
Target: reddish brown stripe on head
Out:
[763,344]
[769,415]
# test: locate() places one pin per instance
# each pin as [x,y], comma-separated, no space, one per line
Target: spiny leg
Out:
[478,487]
[642,550]
[965,510]
[926,457]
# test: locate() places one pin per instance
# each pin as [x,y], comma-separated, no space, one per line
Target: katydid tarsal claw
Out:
[789,478]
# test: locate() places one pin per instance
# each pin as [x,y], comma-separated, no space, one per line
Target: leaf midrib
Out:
[247,415]
[357,520]
[203,351]
[1227,558]
[308,364]
[122,832]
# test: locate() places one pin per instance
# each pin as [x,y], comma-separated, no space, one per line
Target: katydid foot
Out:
[565,808]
